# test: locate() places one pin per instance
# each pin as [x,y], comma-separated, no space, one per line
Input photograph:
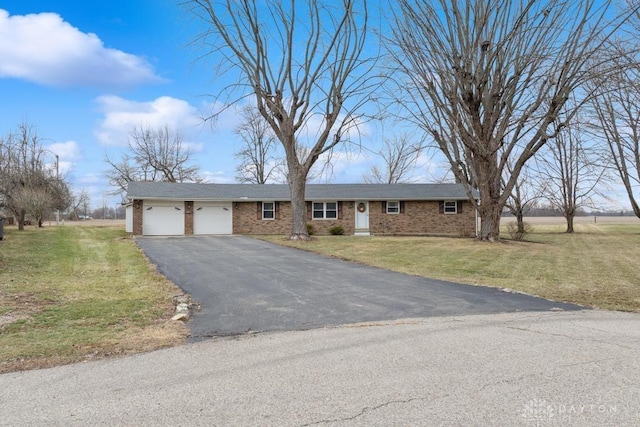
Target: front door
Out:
[362,218]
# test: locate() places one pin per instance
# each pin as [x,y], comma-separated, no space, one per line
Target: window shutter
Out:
[259,209]
[339,210]
[460,203]
[276,207]
[402,206]
[308,210]
[384,207]
[441,207]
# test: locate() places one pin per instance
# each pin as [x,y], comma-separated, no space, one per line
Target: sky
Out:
[84,74]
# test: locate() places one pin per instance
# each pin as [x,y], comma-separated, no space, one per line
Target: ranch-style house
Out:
[176,209]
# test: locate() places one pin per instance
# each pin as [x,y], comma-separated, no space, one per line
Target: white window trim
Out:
[324,211]
[273,210]
[397,212]
[455,207]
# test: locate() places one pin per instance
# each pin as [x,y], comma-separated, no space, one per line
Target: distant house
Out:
[176,209]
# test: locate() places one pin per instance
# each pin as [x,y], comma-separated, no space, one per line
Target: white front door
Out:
[362,218]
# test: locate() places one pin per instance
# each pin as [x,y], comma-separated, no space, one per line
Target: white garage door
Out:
[163,218]
[212,218]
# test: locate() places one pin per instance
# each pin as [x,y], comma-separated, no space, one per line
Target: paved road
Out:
[246,285]
[542,369]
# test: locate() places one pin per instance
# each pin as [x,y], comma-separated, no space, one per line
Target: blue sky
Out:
[86,73]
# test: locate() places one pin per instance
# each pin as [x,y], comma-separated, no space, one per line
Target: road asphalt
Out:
[572,368]
[247,285]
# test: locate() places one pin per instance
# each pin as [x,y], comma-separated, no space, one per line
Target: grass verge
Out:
[598,266]
[70,294]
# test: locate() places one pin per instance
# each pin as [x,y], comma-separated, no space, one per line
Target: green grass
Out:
[74,293]
[598,266]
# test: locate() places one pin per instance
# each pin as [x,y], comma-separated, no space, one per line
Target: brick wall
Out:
[247,219]
[347,220]
[137,217]
[418,217]
[188,218]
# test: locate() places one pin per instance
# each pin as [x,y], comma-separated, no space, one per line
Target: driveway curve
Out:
[248,285]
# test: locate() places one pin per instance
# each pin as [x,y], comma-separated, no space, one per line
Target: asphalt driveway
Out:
[247,285]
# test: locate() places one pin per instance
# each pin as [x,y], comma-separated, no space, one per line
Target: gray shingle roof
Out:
[280,192]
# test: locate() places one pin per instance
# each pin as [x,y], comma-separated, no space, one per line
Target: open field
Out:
[89,223]
[558,220]
[598,266]
[76,293]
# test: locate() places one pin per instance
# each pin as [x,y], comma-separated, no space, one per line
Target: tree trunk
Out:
[520,221]
[569,219]
[491,196]
[21,218]
[297,183]
[490,221]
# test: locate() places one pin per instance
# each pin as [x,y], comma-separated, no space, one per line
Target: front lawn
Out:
[73,293]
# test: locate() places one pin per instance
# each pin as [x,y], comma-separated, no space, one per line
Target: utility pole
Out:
[57,183]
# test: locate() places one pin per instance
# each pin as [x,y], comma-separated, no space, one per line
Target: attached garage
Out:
[161,218]
[212,218]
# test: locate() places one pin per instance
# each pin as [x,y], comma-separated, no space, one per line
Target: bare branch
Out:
[399,156]
[488,81]
[260,161]
[305,64]
[153,155]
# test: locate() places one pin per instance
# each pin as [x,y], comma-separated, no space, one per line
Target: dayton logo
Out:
[537,412]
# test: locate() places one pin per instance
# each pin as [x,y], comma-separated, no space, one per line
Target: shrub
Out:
[512,229]
[310,229]
[336,230]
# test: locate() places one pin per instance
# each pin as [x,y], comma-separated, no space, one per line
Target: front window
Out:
[450,207]
[325,210]
[393,207]
[268,210]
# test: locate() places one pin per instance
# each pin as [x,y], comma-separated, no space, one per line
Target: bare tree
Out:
[80,204]
[573,171]
[617,111]
[153,155]
[36,203]
[524,195]
[399,156]
[304,62]
[260,161]
[24,172]
[487,80]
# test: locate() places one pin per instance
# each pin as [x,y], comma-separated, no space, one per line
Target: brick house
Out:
[159,208]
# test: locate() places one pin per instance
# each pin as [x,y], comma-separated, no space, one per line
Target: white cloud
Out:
[44,49]
[68,150]
[121,116]
[341,167]
[91,178]
[353,131]
[219,177]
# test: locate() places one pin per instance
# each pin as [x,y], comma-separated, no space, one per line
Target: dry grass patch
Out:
[69,294]
[599,266]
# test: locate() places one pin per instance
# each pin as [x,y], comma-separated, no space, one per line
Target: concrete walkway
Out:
[514,369]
